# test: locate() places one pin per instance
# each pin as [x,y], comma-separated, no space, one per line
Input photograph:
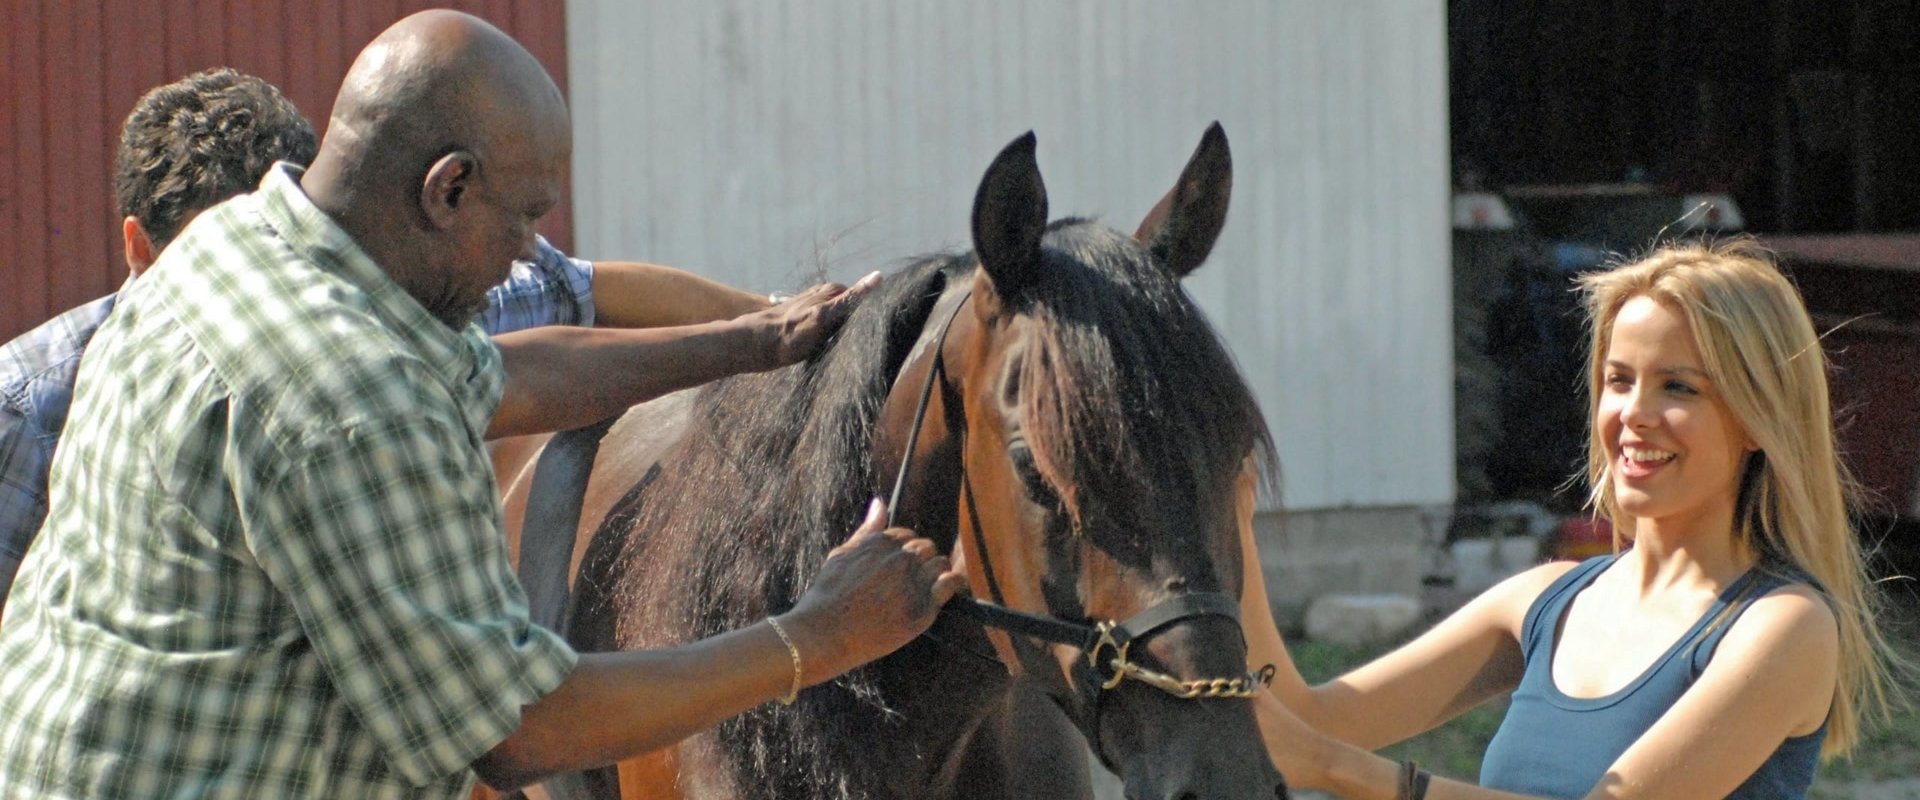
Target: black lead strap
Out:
[998,616]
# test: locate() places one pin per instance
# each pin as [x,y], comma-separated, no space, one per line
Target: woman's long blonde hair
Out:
[1762,353]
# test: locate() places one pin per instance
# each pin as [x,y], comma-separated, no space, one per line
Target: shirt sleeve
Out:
[386,540]
[550,289]
[37,375]
[24,456]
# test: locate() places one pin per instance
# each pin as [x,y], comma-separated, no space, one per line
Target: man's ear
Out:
[139,246]
[445,188]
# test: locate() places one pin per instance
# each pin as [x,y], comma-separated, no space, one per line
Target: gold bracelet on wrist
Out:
[793,693]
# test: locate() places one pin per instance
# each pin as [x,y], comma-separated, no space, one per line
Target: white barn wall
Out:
[741,139]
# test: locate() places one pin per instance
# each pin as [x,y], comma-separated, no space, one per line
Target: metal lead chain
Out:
[1244,686]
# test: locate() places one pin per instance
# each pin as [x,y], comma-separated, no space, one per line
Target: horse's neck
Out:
[957,694]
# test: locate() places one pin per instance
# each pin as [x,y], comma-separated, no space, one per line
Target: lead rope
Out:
[906,464]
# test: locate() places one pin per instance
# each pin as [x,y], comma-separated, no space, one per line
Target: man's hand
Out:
[876,592]
[797,328]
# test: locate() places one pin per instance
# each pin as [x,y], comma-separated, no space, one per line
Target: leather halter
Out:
[1095,639]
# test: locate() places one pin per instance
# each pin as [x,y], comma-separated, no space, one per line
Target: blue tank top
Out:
[1553,745]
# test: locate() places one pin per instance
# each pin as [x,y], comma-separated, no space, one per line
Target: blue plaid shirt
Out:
[37,374]
[552,289]
[36,387]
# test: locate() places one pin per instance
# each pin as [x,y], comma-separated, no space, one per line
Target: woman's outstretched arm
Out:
[1470,657]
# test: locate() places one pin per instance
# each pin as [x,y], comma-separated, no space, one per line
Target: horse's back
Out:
[628,452]
[631,450]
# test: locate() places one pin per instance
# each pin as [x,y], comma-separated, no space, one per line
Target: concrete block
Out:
[1519,553]
[1361,619]
[1474,569]
[1306,554]
[1478,564]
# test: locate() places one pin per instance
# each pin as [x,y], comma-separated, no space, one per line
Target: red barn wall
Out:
[70,70]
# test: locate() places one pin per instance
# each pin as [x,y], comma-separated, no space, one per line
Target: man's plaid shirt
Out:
[37,372]
[274,564]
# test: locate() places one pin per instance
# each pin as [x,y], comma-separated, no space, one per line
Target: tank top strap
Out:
[1537,629]
[1733,602]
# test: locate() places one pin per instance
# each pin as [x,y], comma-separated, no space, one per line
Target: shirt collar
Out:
[314,235]
[44,359]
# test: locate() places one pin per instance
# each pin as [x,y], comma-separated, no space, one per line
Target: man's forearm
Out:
[616,706]
[875,592]
[629,294]
[563,377]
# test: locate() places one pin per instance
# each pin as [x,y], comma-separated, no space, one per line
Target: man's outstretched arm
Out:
[561,377]
[631,294]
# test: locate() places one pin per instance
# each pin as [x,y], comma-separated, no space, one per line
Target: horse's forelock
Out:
[1141,413]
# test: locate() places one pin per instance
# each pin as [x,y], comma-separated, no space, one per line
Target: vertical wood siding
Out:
[754,141]
[71,70]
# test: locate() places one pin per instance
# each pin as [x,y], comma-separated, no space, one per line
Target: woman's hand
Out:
[1298,751]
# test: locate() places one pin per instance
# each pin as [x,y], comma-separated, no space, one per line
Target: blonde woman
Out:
[1725,648]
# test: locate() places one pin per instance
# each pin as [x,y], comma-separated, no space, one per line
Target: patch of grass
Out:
[1889,752]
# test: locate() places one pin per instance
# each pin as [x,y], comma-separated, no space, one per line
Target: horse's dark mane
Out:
[776,469]
[773,472]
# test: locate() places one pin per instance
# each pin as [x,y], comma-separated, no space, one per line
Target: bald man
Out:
[274,565]
[194,142]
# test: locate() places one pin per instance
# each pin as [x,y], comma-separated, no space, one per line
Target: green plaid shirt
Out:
[274,564]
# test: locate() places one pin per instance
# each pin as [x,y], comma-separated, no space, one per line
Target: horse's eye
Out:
[1021,455]
[1029,472]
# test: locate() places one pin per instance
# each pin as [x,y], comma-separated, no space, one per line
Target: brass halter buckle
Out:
[1244,686]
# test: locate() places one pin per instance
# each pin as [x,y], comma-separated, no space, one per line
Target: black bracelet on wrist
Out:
[1413,781]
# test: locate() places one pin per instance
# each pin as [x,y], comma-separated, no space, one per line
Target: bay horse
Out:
[1056,414]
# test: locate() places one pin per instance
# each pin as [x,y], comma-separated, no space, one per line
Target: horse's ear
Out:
[1009,216]
[1182,228]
